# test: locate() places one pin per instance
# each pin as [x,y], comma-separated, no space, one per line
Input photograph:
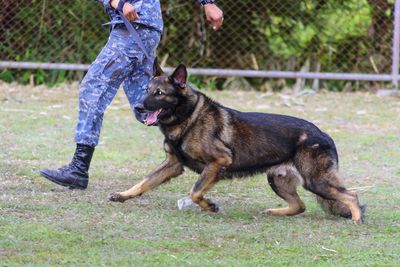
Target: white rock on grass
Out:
[186,203]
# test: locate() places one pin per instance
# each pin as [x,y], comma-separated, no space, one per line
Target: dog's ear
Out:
[179,77]
[157,71]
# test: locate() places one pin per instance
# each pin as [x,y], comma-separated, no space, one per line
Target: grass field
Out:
[44,224]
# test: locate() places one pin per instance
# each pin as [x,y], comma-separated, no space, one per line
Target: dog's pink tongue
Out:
[152,117]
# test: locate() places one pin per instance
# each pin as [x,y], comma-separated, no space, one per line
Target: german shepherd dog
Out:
[218,142]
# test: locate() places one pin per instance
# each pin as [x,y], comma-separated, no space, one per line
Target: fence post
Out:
[396,46]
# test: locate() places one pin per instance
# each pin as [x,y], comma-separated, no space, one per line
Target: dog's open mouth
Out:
[152,117]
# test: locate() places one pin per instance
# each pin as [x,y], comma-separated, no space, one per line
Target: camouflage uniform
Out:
[121,61]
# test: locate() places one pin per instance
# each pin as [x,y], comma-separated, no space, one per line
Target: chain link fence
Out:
[336,36]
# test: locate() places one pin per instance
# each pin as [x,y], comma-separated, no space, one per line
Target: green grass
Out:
[44,224]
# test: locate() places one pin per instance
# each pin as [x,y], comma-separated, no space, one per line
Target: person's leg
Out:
[135,88]
[135,85]
[115,62]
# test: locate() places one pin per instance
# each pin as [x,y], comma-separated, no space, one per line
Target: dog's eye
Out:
[158,92]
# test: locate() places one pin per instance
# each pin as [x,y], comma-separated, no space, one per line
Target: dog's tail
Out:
[335,207]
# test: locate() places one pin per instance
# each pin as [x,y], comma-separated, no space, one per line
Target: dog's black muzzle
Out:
[139,110]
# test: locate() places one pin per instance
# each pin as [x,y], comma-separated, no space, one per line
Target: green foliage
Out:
[338,35]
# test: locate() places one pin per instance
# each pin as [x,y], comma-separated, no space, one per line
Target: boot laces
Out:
[63,168]
[73,164]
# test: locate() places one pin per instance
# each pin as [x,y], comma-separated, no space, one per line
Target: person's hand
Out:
[214,15]
[128,10]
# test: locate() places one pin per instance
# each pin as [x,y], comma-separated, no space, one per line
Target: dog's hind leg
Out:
[170,168]
[335,197]
[207,179]
[284,181]
[320,174]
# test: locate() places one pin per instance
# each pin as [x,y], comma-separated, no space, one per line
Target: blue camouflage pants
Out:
[120,61]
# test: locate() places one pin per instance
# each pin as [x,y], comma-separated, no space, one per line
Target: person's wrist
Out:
[210,6]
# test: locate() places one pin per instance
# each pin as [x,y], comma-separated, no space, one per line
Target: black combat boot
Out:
[74,175]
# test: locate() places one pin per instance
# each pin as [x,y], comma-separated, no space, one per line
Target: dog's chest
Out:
[190,154]
[188,145]
[192,150]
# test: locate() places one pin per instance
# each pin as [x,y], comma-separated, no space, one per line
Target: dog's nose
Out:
[139,108]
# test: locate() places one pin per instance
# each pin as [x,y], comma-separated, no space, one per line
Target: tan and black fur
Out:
[218,142]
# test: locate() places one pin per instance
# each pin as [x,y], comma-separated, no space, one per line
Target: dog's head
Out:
[165,95]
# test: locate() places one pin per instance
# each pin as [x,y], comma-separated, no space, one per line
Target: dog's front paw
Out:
[116,197]
[267,212]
